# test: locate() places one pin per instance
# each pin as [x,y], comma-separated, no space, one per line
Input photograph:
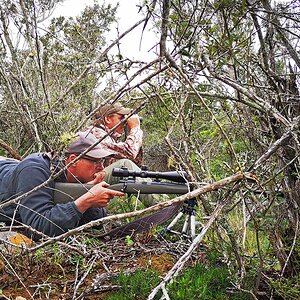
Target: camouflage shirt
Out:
[131,148]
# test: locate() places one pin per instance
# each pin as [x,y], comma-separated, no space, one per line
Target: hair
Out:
[98,119]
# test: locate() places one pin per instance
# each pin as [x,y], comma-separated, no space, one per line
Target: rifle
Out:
[175,183]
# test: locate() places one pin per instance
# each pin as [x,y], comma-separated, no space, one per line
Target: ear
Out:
[71,158]
[71,171]
[107,119]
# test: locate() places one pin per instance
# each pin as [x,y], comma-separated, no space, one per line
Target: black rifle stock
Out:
[65,192]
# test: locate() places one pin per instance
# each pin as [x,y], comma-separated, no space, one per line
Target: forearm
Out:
[84,202]
[134,141]
[127,149]
[131,146]
[51,220]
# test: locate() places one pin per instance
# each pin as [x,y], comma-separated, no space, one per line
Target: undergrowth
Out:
[197,282]
[287,288]
[204,283]
[135,286]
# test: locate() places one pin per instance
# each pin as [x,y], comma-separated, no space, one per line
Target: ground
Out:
[84,266]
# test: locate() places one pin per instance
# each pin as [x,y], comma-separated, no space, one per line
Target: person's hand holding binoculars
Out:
[133,122]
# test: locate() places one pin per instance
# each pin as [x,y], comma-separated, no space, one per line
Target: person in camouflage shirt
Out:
[108,116]
[127,154]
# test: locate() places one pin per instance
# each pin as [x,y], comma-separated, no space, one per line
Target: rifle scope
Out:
[176,176]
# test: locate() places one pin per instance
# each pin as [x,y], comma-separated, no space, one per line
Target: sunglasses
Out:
[121,117]
[96,161]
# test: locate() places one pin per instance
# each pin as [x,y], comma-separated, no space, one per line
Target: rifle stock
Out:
[66,192]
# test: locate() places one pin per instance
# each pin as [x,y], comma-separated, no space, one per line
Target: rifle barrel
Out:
[151,188]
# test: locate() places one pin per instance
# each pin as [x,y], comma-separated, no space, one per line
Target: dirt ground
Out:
[84,267]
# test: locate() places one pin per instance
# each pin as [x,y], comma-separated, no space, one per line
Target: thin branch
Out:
[164,27]
[283,140]
[173,63]
[257,100]
[10,150]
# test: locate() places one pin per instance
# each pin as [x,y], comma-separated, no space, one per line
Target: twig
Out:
[181,73]
[12,269]
[99,57]
[10,150]
[292,247]
[278,143]
[83,277]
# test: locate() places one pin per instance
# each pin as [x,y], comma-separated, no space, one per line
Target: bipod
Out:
[187,211]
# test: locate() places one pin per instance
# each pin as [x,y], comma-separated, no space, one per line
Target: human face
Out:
[114,119]
[84,169]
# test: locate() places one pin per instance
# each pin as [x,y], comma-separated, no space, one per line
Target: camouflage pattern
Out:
[131,148]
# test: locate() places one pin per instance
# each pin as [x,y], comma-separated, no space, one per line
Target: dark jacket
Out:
[38,209]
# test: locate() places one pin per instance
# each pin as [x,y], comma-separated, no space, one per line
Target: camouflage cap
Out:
[83,141]
[109,109]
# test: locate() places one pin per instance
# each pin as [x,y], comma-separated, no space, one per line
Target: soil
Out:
[59,271]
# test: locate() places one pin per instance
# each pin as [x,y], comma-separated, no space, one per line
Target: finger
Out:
[116,193]
[100,175]
[104,184]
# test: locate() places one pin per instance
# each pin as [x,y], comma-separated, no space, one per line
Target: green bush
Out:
[202,283]
[288,289]
[135,286]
